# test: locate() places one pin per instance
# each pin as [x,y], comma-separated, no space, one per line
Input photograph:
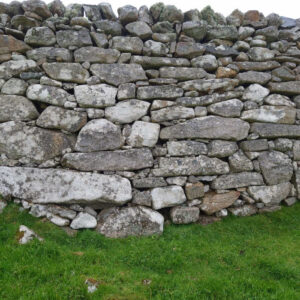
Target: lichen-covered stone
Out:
[172,113]
[40,36]
[184,214]
[219,148]
[15,67]
[84,220]
[183,148]
[159,92]
[96,55]
[140,29]
[133,45]
[286,88]
[67,38]
[50,54]
[228,108]
[156,62]
[182,73]
[13,44]
[14,86]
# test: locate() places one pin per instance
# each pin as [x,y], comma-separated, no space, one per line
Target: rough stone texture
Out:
[159,92]
[182,73]
[63,186]
[84,220]
[50,54]
[96,55]
[229,108]
[40,36]
[182,148]
[67,38]
[13,44]
[266,130]
[15,67]
[246,210]
[286,88]
[219,148]
[184,215]
[127,221]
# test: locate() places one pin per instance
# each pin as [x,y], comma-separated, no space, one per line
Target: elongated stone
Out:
[267,130]
[67,38]
[13,44]
[183,148]
[50,54]
[129,44]
[159,92]
[257,66]
[210,127]
[96,55]
[182,73]
[15,67]
[172,113]
[254,77]
[156,62]
[287,88]
[63,186]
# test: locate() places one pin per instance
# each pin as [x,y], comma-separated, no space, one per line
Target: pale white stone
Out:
[84,220]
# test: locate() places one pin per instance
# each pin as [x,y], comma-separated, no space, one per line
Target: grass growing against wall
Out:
[239,258]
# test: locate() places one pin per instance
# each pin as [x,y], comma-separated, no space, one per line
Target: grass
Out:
[239,258]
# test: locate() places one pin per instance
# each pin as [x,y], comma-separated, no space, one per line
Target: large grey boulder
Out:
[129,44]
[15,67]
[130,221]
[222,32]
[195,29]
[47,94]
[98,95]
[70,72]
[37,7]
[268,130]
[278,100]
[109,27]
[67,38]
[210,127]
[58,186]
[155,48]
[99,134]
[40,36]
[159,92]
[127,14]
[96,55]
[59,118]
[189,49]
[16,108]
[276,167]
[255,92]
[119,160]
[219,148]
[239,162]
[270,195]
[286,88]
[17,140]
[117,74]
[208,62]
[167,196]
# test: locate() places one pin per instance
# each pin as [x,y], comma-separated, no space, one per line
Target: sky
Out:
[287,8]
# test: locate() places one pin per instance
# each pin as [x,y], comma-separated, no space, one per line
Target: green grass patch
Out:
[254,257]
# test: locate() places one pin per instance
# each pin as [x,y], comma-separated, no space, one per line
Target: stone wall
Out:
[123,123]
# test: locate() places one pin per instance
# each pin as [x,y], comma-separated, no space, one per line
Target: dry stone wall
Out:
[123,123]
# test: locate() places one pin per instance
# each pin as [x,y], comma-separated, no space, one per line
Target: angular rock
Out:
[92,12]
[127,111]
[127,14]
[172,113]
[209,85]
[255,92]
[16,108]
[255,145]
[184,215]
[117,74]
[98,95]
[27,235]
[195,29]
[58,210]
[99,134]
[140,29]
[213,202]
[15,67]
[59,118]
[63,186]
[50,54]
[260,54]
[84,220]
[67,38]
[284,73]
[210,127]
[239,162]
[243,211]
[219,148]
[266,130]
[167,196]
[221,51]
[237,180]
[109,27]
[130,221]
[286,88]
[13,44]
[276,167]
[17,140]
[14,86]
[189,49]
[229,108]
[56,220]
[182,73]
[194,190]
[143,134]
[270,195]
[183,166]
[270,114]
[38,7]
[208,62]
[129,44]
[254,77]
[278,100]
[222,32]
[153,48]
[96,55]
[47,94]
[70,72]
[23,23]
[119,160]
[40,36]
[184,148]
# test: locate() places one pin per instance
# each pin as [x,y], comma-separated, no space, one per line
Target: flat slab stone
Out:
[130,221]
[71,72]
[96,55]
[257,66]
[210,127]
[119,160]
[254,77]
[182,73]
[47,94]
[237,180]
[50,54]
[117,74]
[286,88]
[184,214]
[270,195]
[159,92]
[183,148]
[17,140]
[156,62]
[268,130]
[67,38]
[15,67]
[16,108]
[63,186]
[172,113]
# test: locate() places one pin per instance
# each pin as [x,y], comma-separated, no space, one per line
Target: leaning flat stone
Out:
[237,180]
[276,167]
[254,77]
[287,88]
[210,127]
[99,134]
[182,73]
[15,67]
[96,55]
[184,214]
[129,44]
[209,85]
[50,54]
[270,195]
[156,62]
[267,130]
[63,186]
[40,36]
[67,38]
[54,117]
[172,113]
[183,166]
[229,108]
[270,114]
[72,72]
[257,66]
[98,95]
[13,45]
[159,92]
[117,74]
[16,108]
[213,202]
[130,221]
[84,220]
[183,148]
[167,196]
[17,140]
[47,94]
[119,160]
[127,111]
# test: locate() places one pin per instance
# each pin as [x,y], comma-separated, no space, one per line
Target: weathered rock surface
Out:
[184,215]
[132,45]
[15,67]
[67,38]
[96,55]
[182,73]
[255,92]
[40,36]
[254,77]
[14,86]
[13,44]
[50,54]
[84,220]
[157,62]
[172,113]
[219,148]
[63,186]
[127,221]
[267,130]
[159,92]
[27,235]
[182,148]
[140,29]
[229,108]
[286,88]
[243,211]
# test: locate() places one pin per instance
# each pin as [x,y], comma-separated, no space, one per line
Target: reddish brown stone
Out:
[14,45]
[252,15]
[223,72]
